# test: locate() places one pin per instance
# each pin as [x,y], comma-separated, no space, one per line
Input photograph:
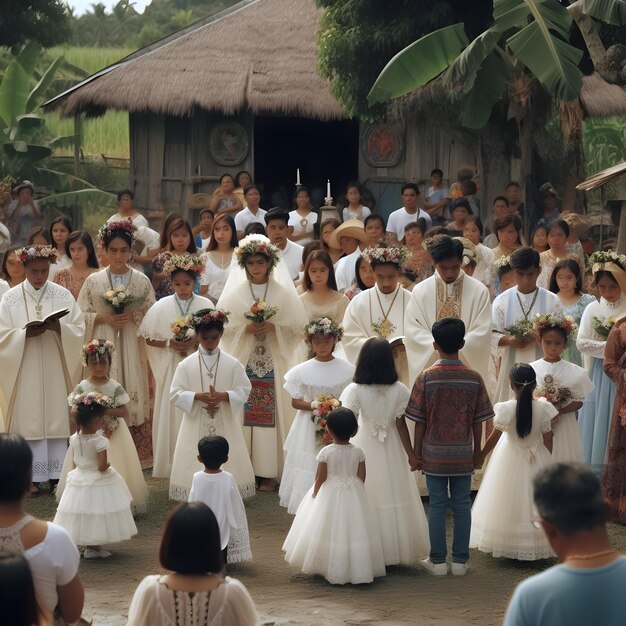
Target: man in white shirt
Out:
[252,213]
[276,227]
[410,212]
[352,239]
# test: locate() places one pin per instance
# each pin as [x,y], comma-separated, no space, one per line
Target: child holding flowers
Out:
[312,385]
[563,384]
[116,319]
[595,324]
[265,333]
[210,387]
[96,357]
[95,506]
[380,399]
[167,329]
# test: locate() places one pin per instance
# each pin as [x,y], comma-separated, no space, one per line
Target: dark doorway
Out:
[322,151]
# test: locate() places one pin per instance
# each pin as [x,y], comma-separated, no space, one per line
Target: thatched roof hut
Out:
[258,56]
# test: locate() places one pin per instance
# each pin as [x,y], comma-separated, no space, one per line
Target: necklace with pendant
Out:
[212,376]
[180,303]
[37,301]
[532,304]
[386,327]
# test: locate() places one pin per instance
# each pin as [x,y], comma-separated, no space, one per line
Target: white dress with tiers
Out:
[336,533]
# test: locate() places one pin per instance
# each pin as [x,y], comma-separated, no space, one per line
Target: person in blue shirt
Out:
[588,585]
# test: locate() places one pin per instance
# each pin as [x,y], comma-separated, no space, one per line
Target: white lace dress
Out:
[503,511]
[307,381]
[95,506]
[336,533]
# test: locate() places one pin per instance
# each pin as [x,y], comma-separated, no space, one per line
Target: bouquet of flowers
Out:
[524,329]
[322,406]
[603,327]
[118,299]
[182,328]
[557,396]
[260,312]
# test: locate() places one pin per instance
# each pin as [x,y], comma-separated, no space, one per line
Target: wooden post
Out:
[77,139]
[621,233]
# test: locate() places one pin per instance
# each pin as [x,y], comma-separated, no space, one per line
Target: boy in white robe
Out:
[36,361]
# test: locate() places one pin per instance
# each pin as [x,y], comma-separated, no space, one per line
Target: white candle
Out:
[328,189]
[298,177]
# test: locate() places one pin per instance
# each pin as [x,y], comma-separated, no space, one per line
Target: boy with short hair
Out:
[218,490]
[448,404]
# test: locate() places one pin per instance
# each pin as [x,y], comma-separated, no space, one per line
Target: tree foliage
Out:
[358,37]
[43,21]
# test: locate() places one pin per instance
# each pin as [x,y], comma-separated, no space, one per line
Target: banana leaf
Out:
[13,93]
[607,11]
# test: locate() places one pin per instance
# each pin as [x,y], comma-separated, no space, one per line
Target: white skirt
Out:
[567,446]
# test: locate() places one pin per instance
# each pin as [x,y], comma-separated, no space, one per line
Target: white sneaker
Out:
[459,569]
[436,569]
[91,553]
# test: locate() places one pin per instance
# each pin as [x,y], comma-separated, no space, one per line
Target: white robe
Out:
[292,256]
[507,311]
[35,379]
[421,314]
[166,418]
[190,378]
[345,270]
[365,310]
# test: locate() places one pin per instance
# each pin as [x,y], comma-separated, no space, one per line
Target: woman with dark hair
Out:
[419,261]
[119,322]
[364,278]
[38,236]
[558,232]
[48,549]
[224,199]
[191,551]
[320,297]
[12,268]
[326,229]
[83,262]
[508,230]
[18,604]
[59,231]
[219,257]
[242,180]
[303,219]
[379,399]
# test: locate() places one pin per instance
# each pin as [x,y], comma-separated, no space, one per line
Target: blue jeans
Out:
[459,500]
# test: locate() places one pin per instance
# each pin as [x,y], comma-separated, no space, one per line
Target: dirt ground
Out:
[285,596]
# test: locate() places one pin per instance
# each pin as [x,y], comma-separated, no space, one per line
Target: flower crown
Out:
[30,253]
[93,398]
[503,261]
[99,348]
[470,252]
[606,256]
[547,321]
[323,326]
[382,255]
[256,244]
[184,262]
[108,230]
[209,316]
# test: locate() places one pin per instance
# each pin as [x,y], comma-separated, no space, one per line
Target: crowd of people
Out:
[350,363]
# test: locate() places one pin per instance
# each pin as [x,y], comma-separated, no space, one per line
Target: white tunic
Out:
[292,256]
[245,217]
[215,276]
[303,225]
[345,270]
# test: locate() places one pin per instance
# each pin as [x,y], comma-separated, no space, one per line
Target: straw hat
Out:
[576,221]
[350,228]
[198,201]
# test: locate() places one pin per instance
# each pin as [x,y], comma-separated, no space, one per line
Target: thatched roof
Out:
[603,177]
[601,99]
[259,56]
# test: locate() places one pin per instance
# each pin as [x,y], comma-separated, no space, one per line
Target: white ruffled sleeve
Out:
[587,341]
[323,454]
[294,385]
[504,415]
[350,400]
[547,412]
[402,400]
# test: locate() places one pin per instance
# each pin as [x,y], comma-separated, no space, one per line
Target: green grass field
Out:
[103,135]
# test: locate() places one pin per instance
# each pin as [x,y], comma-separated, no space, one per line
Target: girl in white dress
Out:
[219,258]
[563,384]
[96,356]
[322,375]
[335,532]
[503,512]
[95,506]
[380,399]
[166,349]
[303,219]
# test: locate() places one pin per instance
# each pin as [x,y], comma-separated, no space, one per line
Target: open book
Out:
[55,315]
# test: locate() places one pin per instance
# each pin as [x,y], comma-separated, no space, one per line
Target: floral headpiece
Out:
[30,253]
[606,256]
[503,265]
[382,255]
[99,348]
[257,244]
[184,262]
[208,316]
[110,229]
[93,398]
[323,326]
[429,241]
[548,320]
[471,254]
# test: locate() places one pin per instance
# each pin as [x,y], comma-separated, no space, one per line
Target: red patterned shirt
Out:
[450,398]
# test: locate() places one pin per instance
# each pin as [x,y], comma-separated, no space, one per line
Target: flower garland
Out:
[37,251]
[110,229]
[257,244]
[99,348]
[323,326]
[208,316]
[93,398]
[381,255]
[548,320]
[606,256]
[184,262]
